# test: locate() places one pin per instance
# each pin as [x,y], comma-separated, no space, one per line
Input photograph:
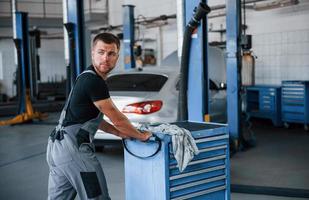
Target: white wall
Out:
[7,51]
[280,40]
[52,60]
[281,43]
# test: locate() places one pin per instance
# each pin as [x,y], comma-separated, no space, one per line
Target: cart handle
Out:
[153,138]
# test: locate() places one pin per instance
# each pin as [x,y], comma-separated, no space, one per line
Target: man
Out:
[74,168]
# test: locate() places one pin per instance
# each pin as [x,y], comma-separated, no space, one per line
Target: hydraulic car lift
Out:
[193,95]
[34,43]
[73,20]
[128,36]
[21,40]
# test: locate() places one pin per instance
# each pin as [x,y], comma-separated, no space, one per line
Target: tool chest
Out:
[264,101]
[207,176]
[295,108]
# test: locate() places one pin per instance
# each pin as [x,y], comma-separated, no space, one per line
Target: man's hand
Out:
[146,135]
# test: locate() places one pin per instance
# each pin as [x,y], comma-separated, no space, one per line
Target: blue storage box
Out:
[295,105]
[157,177]
[264,101]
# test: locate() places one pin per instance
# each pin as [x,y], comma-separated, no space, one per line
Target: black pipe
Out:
[201,11]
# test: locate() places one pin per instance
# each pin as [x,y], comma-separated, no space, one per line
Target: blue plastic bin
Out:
[157,178]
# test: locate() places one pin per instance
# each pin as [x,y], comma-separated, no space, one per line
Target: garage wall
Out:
[52,60]
[280,40]
[281,43]
[7,65]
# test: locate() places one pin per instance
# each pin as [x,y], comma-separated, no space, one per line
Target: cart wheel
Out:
[286,125]
[306,127]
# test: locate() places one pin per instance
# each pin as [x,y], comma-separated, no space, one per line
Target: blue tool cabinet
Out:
[295,105]
[157,178]
[264,101]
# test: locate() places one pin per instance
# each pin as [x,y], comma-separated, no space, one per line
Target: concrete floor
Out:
[279,160]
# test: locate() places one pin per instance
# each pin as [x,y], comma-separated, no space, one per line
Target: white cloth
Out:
[184,146]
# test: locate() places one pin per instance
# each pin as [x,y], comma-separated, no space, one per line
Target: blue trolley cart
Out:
[157,177]
[295,105]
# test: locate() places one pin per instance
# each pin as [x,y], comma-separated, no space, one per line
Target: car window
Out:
[136,82]
[212,85]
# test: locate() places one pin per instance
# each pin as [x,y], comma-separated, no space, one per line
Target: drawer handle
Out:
[197,172]
[208,139]
[209,180]
[202,161]
[196,194]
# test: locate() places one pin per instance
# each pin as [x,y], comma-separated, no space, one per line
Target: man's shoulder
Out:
[90,80]
[89,73]
[89,77]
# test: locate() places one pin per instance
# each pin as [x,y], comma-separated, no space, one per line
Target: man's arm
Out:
[120,121]
[109,128]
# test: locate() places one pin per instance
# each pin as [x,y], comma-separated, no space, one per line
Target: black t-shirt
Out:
[88,89]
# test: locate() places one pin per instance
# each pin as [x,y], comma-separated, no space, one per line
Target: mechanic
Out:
[73,166]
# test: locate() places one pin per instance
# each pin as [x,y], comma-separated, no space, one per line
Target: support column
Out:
[21,40]
[198,105]
[73,19]
[128,36]
[233,22]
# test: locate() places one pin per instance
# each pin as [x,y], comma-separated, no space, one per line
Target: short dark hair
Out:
[107,38]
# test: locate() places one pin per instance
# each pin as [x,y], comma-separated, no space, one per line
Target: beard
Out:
[103,68]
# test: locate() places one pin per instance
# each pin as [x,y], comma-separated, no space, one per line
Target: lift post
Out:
[233,37]
[73,21]
[21,40]
[34,43]
[128,36]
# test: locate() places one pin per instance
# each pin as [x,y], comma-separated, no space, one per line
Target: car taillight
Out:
[145,107]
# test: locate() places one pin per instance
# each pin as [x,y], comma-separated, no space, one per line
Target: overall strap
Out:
[63,112]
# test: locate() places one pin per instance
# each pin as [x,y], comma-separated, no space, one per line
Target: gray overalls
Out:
[74,168]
